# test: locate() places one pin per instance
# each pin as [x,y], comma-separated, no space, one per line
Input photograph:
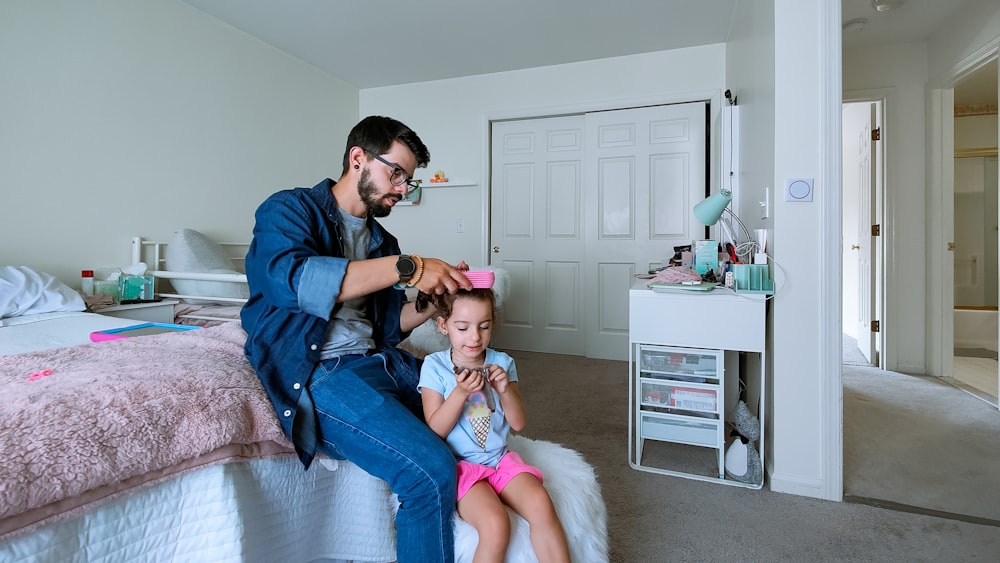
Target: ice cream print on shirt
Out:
[478,413]
[479,408]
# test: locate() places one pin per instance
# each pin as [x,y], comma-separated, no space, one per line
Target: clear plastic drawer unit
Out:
[681,396]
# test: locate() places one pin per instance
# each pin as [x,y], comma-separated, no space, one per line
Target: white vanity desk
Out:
[684,370]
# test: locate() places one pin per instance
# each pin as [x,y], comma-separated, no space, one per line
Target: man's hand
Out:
[440,277]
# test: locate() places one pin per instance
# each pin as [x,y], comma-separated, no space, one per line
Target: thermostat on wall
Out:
[798,189]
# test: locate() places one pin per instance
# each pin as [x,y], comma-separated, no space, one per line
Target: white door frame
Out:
[884,202]
[941,223]
[941,186]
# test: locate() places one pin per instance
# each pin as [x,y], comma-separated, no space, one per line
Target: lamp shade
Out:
[711,208]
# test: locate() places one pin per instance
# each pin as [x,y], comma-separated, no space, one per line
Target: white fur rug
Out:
[572,484]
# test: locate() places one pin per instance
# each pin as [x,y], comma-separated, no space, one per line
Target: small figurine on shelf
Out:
[438,177]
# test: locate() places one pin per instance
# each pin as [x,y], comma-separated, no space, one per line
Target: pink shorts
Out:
[509,467]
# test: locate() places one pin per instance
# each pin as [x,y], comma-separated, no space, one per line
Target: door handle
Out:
[496,250]
[951,247]
[855,247]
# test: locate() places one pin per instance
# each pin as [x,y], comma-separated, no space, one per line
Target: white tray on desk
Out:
[671,287]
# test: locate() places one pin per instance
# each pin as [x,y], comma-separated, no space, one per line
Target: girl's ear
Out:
[441,325]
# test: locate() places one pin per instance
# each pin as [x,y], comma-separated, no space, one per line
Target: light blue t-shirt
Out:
[438,374]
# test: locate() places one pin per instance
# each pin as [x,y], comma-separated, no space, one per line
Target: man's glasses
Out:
[398,176]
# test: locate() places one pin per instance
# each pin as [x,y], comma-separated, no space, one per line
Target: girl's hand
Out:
[469,381]
[497,377]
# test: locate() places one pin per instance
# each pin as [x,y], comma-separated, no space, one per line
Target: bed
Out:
[165,447]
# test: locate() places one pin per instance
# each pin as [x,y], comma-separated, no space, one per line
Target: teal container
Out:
[752,278]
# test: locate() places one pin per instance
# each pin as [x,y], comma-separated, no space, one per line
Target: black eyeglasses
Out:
[398,176]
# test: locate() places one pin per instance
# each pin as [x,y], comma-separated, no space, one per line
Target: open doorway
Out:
[976,211]
[862,250]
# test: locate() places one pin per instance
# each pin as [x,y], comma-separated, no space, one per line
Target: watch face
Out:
[405,267]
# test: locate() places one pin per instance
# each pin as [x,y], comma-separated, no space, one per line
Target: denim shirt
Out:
[295,268]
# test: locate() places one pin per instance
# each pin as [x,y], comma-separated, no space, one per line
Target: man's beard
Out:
[370,196]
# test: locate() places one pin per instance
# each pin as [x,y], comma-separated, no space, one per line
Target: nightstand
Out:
[155,312]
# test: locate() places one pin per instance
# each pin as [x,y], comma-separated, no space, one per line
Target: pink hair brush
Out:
[481,279]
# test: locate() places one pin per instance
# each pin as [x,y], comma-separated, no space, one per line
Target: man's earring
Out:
[356,166]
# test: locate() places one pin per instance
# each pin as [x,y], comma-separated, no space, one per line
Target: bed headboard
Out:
[212,273]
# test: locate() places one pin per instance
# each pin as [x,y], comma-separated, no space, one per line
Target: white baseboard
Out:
[814,488]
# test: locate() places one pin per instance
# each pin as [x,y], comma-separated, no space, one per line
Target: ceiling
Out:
[387,42]
[916,20]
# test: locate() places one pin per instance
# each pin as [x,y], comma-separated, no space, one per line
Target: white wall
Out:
[125,118]
[805,313]
[451,117]
[976,132]
[750,76]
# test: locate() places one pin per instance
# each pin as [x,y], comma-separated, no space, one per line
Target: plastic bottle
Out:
[87,282]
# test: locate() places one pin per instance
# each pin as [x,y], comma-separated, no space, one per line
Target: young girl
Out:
[471,399]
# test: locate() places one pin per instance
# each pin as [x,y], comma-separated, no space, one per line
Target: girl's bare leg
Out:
[481,508]
[528,498]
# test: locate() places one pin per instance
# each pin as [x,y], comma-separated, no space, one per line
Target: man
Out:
[326,311]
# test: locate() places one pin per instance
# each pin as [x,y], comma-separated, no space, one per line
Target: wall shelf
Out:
[425,185]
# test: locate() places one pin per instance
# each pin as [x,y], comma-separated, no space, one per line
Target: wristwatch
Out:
[406,266]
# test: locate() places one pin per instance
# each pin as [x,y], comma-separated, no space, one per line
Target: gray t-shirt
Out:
[349,332]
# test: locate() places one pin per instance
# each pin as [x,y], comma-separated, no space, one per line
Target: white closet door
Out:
[646,168]
[581,203]
[536,232]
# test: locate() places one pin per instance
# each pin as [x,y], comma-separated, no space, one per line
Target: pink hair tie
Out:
[40,374]
[481,279]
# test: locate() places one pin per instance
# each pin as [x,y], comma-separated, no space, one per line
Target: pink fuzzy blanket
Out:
[116,415]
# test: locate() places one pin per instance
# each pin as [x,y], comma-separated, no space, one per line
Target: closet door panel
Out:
[581,203]
[643,209]
[537,232]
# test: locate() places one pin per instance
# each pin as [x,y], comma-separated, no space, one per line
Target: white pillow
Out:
[191,251]
[24,291]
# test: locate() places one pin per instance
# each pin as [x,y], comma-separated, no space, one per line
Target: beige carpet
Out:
[583,404]
[919,443]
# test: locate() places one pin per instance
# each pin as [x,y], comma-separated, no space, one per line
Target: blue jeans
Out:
[374,417]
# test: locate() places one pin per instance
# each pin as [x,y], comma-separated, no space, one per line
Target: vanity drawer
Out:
[693,432]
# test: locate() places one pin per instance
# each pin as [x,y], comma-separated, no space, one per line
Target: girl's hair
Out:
[444,302]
